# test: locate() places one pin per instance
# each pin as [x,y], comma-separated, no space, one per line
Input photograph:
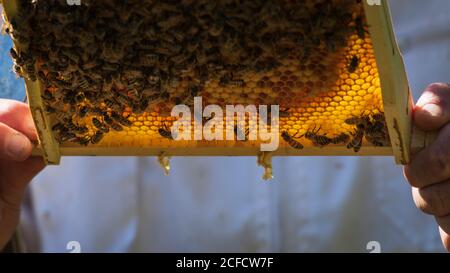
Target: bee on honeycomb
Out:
[123,65]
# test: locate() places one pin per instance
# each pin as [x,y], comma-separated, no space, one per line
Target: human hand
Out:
[17,167]
[429,171]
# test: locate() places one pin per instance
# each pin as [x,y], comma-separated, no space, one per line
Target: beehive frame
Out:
[397,104]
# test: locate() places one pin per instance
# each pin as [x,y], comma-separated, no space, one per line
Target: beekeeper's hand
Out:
[17,167]
[429,171]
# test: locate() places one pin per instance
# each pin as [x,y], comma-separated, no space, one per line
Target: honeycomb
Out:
[348,95]
[319,68]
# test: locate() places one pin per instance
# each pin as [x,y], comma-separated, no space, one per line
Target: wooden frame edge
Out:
[219,151]
[48,145]
[52,151]
[397,99]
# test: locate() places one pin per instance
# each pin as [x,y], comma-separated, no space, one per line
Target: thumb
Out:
[432,110]
[13,144]
[445,237]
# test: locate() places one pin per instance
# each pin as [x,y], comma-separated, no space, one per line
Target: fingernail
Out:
[17,146]
[433,109]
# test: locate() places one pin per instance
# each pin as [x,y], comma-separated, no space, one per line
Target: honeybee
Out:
[341,138]
[84,141]
[201,56]
[105,129]
[62,116]
[89,65]
[97,137]
[284,113]
[110,103]
[66,135]
[30,72]
[135,107]
[179,34]
[110,67]
[47,95]
[44,80]
[316,139]
[50,109]
[81,129]
[153,79]
[359,26]
[116,127]
[353,65]
[225,79]
[238,133]
[120,119]
[16,35]
[122,100]
[79,97]
[163,7]
[331,42]
[97,111]
[291,141]
[192,44]
[201,73]
[71,55]
[165,133]
[69,98]
[107,119]
[379,117]
[179,59]
[97,123]
[71,126]
[144,103]
[15,55]
[193,91]
[58,127]
[217,27]
[306,54]
[148,59]
[92,97]
[18,71]
[100,125]
[237,83]
[361,122]
[171,22]
[132,74]
[353,120]
[377,134]
[83,83]
[378,142]
[375,128]
[356,141]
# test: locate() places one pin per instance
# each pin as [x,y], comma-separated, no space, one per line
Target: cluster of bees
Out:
[371,127]
[103,60]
